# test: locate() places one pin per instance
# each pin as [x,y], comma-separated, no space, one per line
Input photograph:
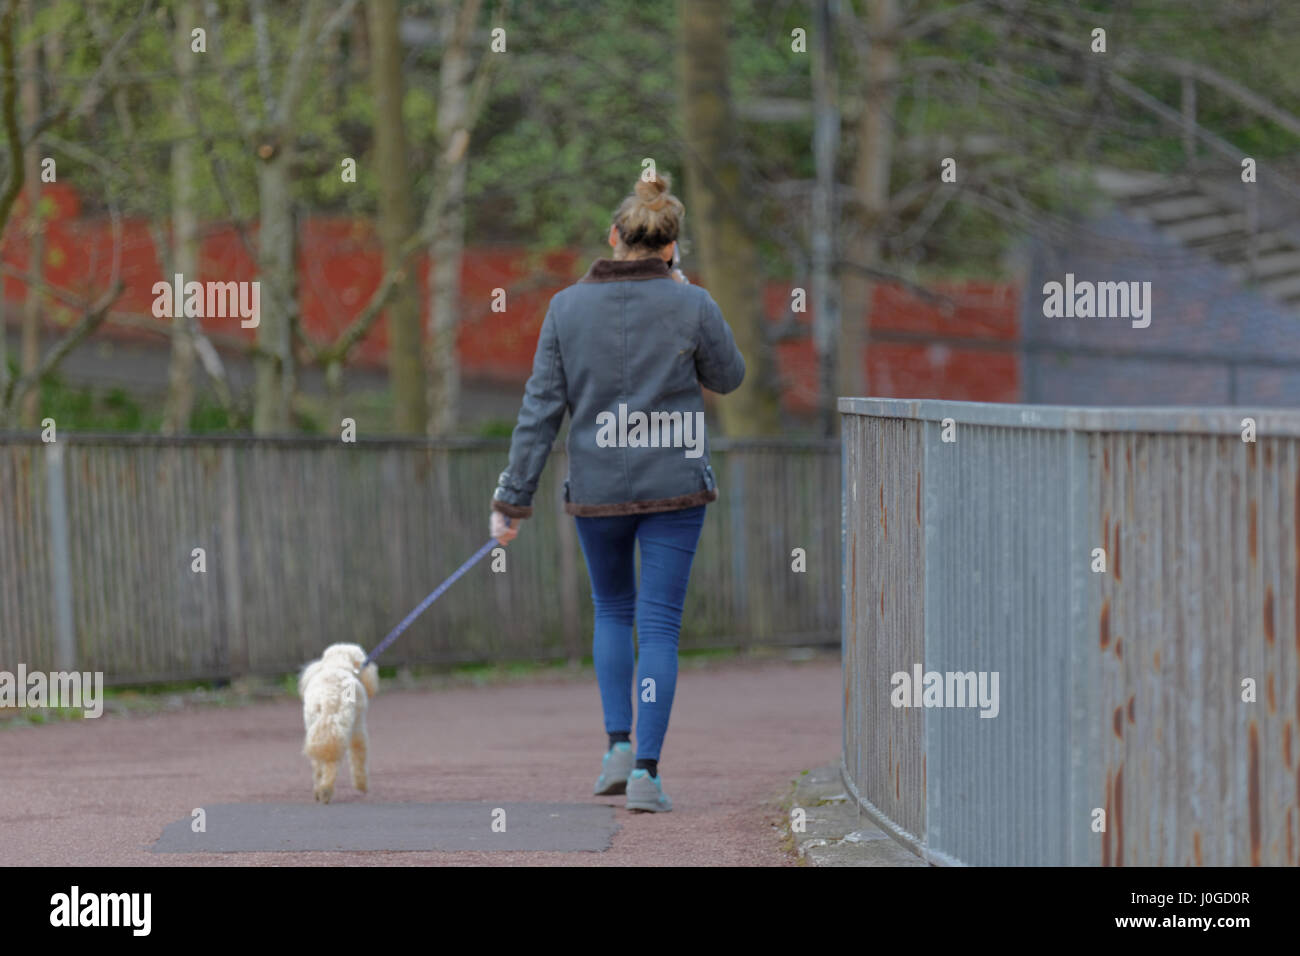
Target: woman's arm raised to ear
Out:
[545,399]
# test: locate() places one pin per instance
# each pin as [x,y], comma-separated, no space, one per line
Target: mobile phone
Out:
[677,263]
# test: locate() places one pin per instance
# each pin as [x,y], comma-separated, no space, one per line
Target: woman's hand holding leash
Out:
[501,529]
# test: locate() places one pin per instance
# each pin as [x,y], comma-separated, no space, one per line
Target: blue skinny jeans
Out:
[668,540]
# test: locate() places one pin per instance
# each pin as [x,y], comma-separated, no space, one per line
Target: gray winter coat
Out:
[624,351]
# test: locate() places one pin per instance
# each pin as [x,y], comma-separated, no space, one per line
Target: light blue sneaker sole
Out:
[614,770]
[645,793]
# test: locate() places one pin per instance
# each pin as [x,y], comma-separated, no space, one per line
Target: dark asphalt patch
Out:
[261,827]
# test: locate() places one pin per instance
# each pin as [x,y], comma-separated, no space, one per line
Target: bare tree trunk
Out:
[23,170]
[185,237]
[447,251]
[728,251]
[448,244]
[875,155]
[278,271]
[30,350]
[277,230]
[4,344]
[396,218]
[7,30]
[53,41]
[334,413]
[826,140]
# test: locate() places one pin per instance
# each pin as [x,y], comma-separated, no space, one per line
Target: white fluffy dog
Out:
[334,698]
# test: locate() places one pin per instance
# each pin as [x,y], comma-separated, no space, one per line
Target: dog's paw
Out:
[324,794]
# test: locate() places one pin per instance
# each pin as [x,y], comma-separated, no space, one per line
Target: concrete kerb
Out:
[836,832]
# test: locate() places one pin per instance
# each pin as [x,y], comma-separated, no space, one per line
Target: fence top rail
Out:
[1175,419]
[395,441]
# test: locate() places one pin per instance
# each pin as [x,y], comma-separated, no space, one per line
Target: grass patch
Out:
[86,408]
[787,841]
[11,717]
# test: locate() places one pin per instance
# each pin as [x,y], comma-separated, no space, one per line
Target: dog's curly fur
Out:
[334,699]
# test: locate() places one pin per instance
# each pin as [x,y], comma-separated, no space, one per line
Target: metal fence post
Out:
[739,545]
[56,502]
[236,641]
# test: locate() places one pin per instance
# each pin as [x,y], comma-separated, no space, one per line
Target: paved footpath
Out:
[100,792]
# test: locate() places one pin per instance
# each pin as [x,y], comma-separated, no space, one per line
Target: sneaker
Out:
[645,792]
[614,770]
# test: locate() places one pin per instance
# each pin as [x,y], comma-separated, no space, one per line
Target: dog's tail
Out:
[330,729]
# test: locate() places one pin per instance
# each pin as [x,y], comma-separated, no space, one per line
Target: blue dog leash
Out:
[424,605]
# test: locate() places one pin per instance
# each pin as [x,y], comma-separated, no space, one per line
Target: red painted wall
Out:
[340,266]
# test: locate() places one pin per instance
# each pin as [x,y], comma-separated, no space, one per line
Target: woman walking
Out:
[625,351]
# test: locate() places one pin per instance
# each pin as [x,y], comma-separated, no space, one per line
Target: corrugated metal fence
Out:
[1120,692]
[312,541]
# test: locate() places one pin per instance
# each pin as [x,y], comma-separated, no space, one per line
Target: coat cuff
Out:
[512,511]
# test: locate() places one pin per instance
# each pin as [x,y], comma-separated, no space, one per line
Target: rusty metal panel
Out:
[885,759]
[1201,595]
[1123,690]
[998,573]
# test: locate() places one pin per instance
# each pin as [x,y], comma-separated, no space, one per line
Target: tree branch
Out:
[9,105]
[90,321]
[246,119]
[892,278]
[360,326]
[938,19]
[95,87]
[262,44]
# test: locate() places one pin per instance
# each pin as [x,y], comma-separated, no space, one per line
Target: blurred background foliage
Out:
[586,91]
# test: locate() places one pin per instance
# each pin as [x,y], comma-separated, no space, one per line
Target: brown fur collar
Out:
[643,507]
[617,270]
[618,508]
[512,511]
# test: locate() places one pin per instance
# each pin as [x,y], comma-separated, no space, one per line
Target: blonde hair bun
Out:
[652,192]
[651,217]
